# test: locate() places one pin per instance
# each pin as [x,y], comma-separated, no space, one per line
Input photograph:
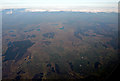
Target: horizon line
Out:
[59,10]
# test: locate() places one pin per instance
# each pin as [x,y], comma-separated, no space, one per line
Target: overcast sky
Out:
[110,5]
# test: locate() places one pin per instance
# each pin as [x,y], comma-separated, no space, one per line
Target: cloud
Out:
[35,10]
[72,9]
[9,12]
[62,5]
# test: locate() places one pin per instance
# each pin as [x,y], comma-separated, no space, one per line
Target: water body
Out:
[38,29]
[62,28]
[13,35]
[11,31]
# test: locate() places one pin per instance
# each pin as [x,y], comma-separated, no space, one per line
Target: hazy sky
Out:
[110,5]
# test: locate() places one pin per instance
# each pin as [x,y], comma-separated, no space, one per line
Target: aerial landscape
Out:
[58,45]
